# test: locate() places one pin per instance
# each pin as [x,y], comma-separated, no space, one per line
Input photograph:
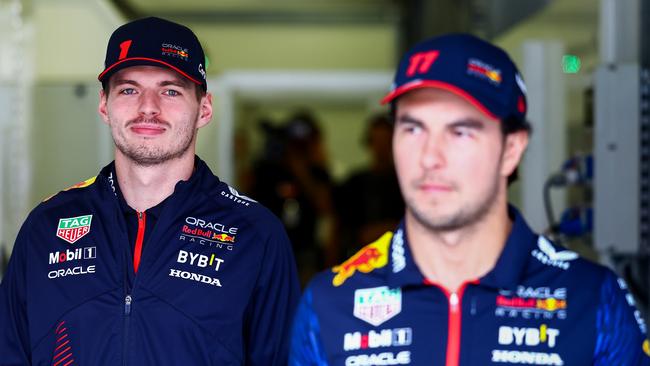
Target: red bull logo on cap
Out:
[482,69]
[370,257]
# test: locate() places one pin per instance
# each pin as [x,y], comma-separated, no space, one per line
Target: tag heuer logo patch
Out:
[377,305]
[74,228]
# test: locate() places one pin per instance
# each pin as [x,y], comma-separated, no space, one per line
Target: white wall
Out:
[71,38]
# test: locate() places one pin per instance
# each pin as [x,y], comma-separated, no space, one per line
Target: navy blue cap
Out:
[466,65]
[155,42]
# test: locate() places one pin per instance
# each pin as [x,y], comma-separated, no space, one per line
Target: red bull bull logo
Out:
[551,304]
[224,238]
[484,70]
[370,257]
[174,50]
[83,184]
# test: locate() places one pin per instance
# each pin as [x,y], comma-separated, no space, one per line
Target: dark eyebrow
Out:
[468,123]
[125,81]
[465,123]
[408,119]
[179,83]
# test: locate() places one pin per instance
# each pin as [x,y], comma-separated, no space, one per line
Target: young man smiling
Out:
[463,280]
[154,261]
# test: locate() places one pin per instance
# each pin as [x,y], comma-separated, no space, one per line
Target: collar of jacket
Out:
[510,267]
[202,177]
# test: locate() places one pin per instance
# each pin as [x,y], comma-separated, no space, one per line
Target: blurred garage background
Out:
[282,65]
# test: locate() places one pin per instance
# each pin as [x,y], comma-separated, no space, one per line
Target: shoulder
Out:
[553,258]
[255,224]
[70,208]
[226,198]
[589,283]
[71,192]
[366,268]
[240,204]
[77,193]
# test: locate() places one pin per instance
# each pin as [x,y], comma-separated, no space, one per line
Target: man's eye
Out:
[127,91]
[462,132]
[172,93]
[413,129]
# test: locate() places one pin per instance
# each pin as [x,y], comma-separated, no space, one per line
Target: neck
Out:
[144,187]
[452,258]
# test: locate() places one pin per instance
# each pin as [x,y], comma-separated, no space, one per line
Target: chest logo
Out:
[547,254]
[377,305]
[74,228]
[528,336]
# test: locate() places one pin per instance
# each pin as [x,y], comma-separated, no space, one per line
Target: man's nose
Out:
[149,104]
[433,156]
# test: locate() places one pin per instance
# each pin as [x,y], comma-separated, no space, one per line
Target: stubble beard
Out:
[463,217]
[145,155]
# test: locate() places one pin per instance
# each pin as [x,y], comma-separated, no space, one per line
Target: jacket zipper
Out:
[455,300]
[137,252]
[127,305]
[127,317]
[128,299]
[454,329]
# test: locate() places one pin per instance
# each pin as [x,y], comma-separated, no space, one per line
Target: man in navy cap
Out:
[463,280]
[154,261]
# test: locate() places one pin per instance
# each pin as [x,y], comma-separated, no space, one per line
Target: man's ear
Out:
[102,108]
[513,151]
[205,110]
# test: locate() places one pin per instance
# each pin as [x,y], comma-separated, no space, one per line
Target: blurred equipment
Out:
[575,221]
[622,151]
[622,145]
[622,174]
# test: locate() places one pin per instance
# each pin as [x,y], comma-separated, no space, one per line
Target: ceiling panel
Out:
[285,11]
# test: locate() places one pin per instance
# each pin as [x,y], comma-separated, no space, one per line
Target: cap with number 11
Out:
[468,66]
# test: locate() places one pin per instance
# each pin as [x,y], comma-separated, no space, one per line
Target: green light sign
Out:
[571,64]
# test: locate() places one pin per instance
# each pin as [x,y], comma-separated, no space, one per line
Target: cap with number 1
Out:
[155,42]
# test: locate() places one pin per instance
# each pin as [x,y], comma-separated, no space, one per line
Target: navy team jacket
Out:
[216,284]
[540,305]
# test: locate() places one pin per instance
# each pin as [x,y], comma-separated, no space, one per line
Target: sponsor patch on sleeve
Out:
[83,184]
[369,258]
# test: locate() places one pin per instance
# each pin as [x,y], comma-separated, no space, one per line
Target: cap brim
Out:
[137,61]
[438,85]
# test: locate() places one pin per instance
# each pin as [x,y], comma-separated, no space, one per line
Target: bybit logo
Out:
[199,260]
[528,336]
